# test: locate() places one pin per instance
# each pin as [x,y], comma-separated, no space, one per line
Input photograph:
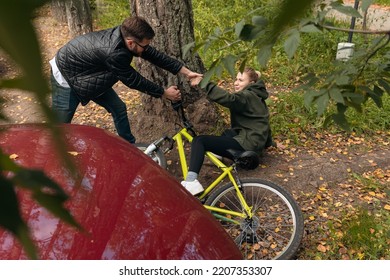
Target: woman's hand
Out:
[196,81]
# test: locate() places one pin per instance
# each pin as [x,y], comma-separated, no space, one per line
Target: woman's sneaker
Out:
[194,187]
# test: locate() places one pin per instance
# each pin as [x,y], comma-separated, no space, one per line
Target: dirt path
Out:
[321,171]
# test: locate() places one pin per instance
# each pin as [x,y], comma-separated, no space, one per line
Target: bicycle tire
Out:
[277,226]
[157,155]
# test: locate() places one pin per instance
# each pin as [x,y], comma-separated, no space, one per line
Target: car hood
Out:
[128,207]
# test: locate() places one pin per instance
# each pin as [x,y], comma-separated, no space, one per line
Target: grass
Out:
[358,230]
[363,235]
[366,236]
[382,2]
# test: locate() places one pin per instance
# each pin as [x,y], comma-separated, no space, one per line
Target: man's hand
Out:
[172,93]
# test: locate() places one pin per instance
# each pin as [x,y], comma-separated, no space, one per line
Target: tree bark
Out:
[58,10]
[75,13]
[172,21]
[79,17]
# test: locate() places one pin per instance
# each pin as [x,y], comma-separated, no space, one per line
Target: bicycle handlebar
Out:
[178,107]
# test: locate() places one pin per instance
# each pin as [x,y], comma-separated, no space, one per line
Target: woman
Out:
[250,129]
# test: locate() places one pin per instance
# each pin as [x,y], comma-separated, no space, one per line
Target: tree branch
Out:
[354,30]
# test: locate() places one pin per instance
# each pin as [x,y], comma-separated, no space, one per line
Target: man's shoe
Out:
[194,187]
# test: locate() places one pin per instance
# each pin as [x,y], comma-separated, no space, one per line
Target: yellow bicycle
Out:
[263,218]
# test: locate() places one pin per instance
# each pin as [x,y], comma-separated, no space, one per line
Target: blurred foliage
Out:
[110,13]
[19,41]
[382,2]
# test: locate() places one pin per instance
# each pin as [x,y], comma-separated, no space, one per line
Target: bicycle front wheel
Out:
[157,155]
[275,229]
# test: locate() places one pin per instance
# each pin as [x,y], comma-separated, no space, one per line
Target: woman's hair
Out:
[138,28]
[253,75]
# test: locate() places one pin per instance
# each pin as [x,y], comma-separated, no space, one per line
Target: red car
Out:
[128,206]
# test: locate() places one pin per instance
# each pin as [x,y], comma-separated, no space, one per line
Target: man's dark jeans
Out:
[65,103]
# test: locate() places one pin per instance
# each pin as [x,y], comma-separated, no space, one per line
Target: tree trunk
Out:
[172,21]
[76,13]
[58,10]
[79,16]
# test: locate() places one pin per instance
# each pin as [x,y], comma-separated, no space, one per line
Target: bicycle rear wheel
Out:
[276,228]
[157,155]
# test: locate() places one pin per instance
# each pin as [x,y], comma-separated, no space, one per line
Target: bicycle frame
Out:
[226,172]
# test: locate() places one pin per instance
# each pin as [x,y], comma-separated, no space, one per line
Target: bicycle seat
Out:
[247,160]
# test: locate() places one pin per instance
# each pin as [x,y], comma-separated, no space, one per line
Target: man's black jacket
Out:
[94,62]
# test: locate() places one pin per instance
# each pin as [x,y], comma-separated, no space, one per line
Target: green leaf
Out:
[355,97]
[242,65]
[54,204]
[292,42]
[186,49]
[259,21]
[383,83]
[341,120]
[376,95]
[310,96]
[218,70]
[9,204]
[309,28]
[10,217]
[354,100]
[15,18]
[35,180]
[342,80]
[248,32]
[264,54]
[322,103]
[46,191]
[290,10]
[366,4]
[238,28]
[207,77]
[336,95]
[230,63]
[346,10]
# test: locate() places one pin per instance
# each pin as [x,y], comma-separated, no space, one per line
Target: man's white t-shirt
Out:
[57,74]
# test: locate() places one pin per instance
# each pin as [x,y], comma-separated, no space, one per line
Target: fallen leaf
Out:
[321,248]
[372,193]
[13,156]
[343,250]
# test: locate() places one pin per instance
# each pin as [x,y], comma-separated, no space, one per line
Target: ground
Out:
[323,171]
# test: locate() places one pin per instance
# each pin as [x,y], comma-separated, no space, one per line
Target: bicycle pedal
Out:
[249,238]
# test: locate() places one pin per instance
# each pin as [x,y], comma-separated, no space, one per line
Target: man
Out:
[89,65]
